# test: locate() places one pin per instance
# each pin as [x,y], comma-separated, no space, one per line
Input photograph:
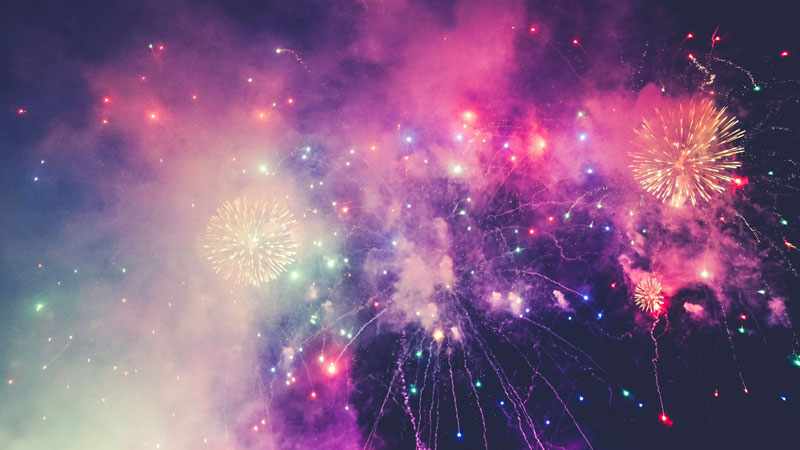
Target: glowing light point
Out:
[783,397]
[626,393]
[756,88]
[39,307]
[641,405]
[438,335]
[784,54]
[704,274]
[582,136]
[575,42]
[478,383]
[413,389]
[689,36]
[586,298]
[419,353]
[580,398]
[313,394]
[458,435]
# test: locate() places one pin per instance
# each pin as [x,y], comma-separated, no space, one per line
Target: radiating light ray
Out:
[687,153]
[251,241]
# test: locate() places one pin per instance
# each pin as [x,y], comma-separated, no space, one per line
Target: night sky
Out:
[399,224]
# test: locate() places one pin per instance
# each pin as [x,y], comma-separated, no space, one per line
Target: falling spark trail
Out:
[58,355]
[730,343]
[577,349]
[421,396]
[566,409]
[477,402]
[434,396]
[296,57]
[509,391]
[536,373]
[359,332]
[655,363]
[398,369]
[528,272]
[453,389]
[409,412]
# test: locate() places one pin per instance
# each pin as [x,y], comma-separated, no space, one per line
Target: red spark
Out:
[740,182]
[345,210]
[691,56]
[789,244]
[784,54]
[105,121]
[531,231]
[533,29]
[161,47]
[716,38]
[376,304]
[551,218]
[613,285]
[313,394]
[575,42]
[689,36]
[21,111]
[743,317]
[746,391]
[290,101]
[716,393]
[106,100]
[665,420]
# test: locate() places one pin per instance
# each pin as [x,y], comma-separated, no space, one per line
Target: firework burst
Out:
[648,295]
[686,153]
[251,242]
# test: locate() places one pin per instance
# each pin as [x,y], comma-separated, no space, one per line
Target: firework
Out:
[251,242]
[648,295]
[686,153]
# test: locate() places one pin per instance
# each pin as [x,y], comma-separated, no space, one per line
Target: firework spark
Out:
[648,295]
[686,153]
[251,242]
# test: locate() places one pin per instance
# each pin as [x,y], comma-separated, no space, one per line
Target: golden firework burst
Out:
[686,153]
[251,241]
[648,295]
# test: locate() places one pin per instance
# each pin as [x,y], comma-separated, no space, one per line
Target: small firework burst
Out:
[687,153]
[251,242]
[648,295]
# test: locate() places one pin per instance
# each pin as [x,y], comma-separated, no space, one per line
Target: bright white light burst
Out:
[251,241]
